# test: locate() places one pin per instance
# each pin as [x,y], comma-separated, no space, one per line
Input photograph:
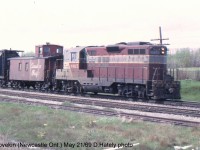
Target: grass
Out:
[33,124]
[190,69]
[67,103]
[190,90]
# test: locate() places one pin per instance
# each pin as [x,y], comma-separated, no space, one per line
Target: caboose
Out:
[134,69]
[38,71]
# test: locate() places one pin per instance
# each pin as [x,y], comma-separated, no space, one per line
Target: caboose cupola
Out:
[47,50]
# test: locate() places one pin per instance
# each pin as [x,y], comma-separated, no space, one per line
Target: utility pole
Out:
[160,39]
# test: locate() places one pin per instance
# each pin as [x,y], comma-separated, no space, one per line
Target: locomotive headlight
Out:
[162,50]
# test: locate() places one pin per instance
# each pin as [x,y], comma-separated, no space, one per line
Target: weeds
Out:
[40,124]
[190,90]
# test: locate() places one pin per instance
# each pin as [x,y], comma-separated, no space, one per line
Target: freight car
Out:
[5,66]
[38,71]
[134,69]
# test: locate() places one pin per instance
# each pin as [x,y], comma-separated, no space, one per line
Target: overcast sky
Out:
[26,23]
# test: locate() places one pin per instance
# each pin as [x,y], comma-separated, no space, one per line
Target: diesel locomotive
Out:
[133,69]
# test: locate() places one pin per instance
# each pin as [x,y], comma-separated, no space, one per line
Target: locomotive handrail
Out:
[154,73]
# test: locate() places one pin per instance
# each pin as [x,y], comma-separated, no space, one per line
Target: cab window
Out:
[158,51]
[73,56]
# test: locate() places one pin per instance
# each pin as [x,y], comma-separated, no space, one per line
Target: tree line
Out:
[184,58]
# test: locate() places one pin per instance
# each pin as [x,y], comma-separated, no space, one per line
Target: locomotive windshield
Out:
[158,51]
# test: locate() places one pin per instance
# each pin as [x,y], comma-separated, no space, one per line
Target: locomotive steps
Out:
[185,116]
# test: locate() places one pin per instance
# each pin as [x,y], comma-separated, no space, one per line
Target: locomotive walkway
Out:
[57,101]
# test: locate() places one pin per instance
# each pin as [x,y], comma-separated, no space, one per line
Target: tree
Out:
[28,54]
[181,59]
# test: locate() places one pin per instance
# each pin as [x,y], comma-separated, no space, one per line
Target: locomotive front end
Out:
[165,89]
[161,85]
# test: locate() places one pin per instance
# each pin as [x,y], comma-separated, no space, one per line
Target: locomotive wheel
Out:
[149,97]
[127,93]
[124,93]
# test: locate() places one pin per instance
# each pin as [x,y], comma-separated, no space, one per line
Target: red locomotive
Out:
[134,69]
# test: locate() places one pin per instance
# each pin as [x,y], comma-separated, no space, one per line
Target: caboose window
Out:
[20,67]
[59,50]
[26,66]
[46,50]
[40,50]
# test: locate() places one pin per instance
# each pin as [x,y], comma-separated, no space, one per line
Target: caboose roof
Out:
[48,44]
[25,58]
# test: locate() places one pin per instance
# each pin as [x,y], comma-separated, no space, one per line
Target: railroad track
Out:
[170,102]
[109,104]
[121,98]
[182,103]
[109,113]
